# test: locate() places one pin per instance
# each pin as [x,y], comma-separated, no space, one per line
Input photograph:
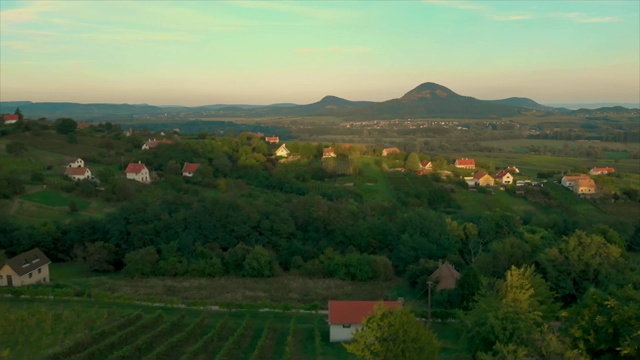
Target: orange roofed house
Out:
[328,152]
[272,139]
[31,267]
[601,171]
[10,119]
[387,151]
[584,186]
[345,317]
[465,163]
[569,180]
[189,169]
[481,178]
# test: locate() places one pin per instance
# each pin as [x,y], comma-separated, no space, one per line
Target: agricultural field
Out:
[55,329]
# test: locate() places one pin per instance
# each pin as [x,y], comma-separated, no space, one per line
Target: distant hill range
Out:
[428,100]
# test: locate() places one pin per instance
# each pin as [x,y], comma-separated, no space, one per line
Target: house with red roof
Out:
[387,151]
[601,171]
[345,317]
[465,163]
[272,139]
[584,186]
[445,276]
[189,169]
[481,178]
[83,125]
[569,180]
[10,119]
[138,172]
[426,165]
[328,153]
[78,173]
[504,177]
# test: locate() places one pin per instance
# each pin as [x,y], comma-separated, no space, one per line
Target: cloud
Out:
[25,14]
[125,35]
[17,45]
[359,49]
[511,17]
[461,5]
[295,8]
[601,19]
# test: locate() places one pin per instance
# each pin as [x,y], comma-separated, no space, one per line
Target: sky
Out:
[259,52]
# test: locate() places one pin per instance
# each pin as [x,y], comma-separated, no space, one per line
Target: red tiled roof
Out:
[75,171]
[135,168]
[10,117]
[585,183]
[272,139]
[466,162]
[83,125]
[576,177]
[479,175]
[190,168]
[607,169]
[327,150]
[354,312]
[502,173]
[391,150]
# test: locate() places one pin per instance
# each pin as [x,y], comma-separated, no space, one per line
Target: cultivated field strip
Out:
[211,336]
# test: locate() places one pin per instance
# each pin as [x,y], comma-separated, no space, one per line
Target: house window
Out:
[346,326]
[30,275]
[0,277]
[39,271]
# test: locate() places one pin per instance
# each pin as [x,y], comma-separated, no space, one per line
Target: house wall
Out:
[337,332]
[41,277]
[507,179]
[142,177]
[86,175]
[187,174]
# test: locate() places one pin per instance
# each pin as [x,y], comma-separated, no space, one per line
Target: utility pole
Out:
[430,283]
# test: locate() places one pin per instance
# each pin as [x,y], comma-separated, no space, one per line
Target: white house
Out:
[31,267]
[138,172]
[10,119]
[78,173]
[282,151]
[328,152]
[345,317]
[570,180]
[76,164]
[504,177]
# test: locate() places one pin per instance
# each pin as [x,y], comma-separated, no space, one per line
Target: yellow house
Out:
[584,186]
[481,178]
[31,267]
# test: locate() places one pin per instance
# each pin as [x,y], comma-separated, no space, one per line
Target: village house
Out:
[138,172]
[282,151]
[570,180]
[10,119]
[601,171]
[189,169]
[78,173]
[77,164]
[272,139]
[481,178]
[465,163]
[387,151]
[584,186]
[328,153]
[345,317]
[446,276]
[31,267]
[426,165]
[513,169]
[504,177]
[83,125]
[152,144]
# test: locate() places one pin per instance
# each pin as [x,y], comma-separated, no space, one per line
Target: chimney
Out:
[139,162]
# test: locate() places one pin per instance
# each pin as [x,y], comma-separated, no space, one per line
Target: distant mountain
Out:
[522,102]
[430,100]
[106,112]
[575,106]
[603,110]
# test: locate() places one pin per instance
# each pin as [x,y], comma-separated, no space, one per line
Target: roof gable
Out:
[190,168]
[446,274]
[28,261]
[354,312]
[135,168]
[479,175]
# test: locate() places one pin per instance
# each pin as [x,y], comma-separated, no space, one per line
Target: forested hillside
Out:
[246,213]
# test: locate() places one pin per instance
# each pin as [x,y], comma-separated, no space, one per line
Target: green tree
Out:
[72,138]
[65,125]
[142,262]
[19,113]
[413,162]
[97,256]
[392,334]
[607,325]
[580,262]
[259,264]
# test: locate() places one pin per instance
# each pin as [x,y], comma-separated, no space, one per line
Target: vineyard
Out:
[79,330]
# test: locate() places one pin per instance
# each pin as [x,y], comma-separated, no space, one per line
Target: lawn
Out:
[55,198]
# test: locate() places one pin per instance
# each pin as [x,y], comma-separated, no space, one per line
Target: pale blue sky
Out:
[206,52]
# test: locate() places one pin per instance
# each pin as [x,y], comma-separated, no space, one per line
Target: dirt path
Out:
[18,199]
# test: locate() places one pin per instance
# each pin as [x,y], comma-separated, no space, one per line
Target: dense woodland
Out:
[246,214]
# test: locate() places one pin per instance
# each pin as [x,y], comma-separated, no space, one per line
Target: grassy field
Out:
[55,198]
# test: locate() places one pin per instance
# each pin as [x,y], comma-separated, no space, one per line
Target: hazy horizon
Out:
[201,53]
